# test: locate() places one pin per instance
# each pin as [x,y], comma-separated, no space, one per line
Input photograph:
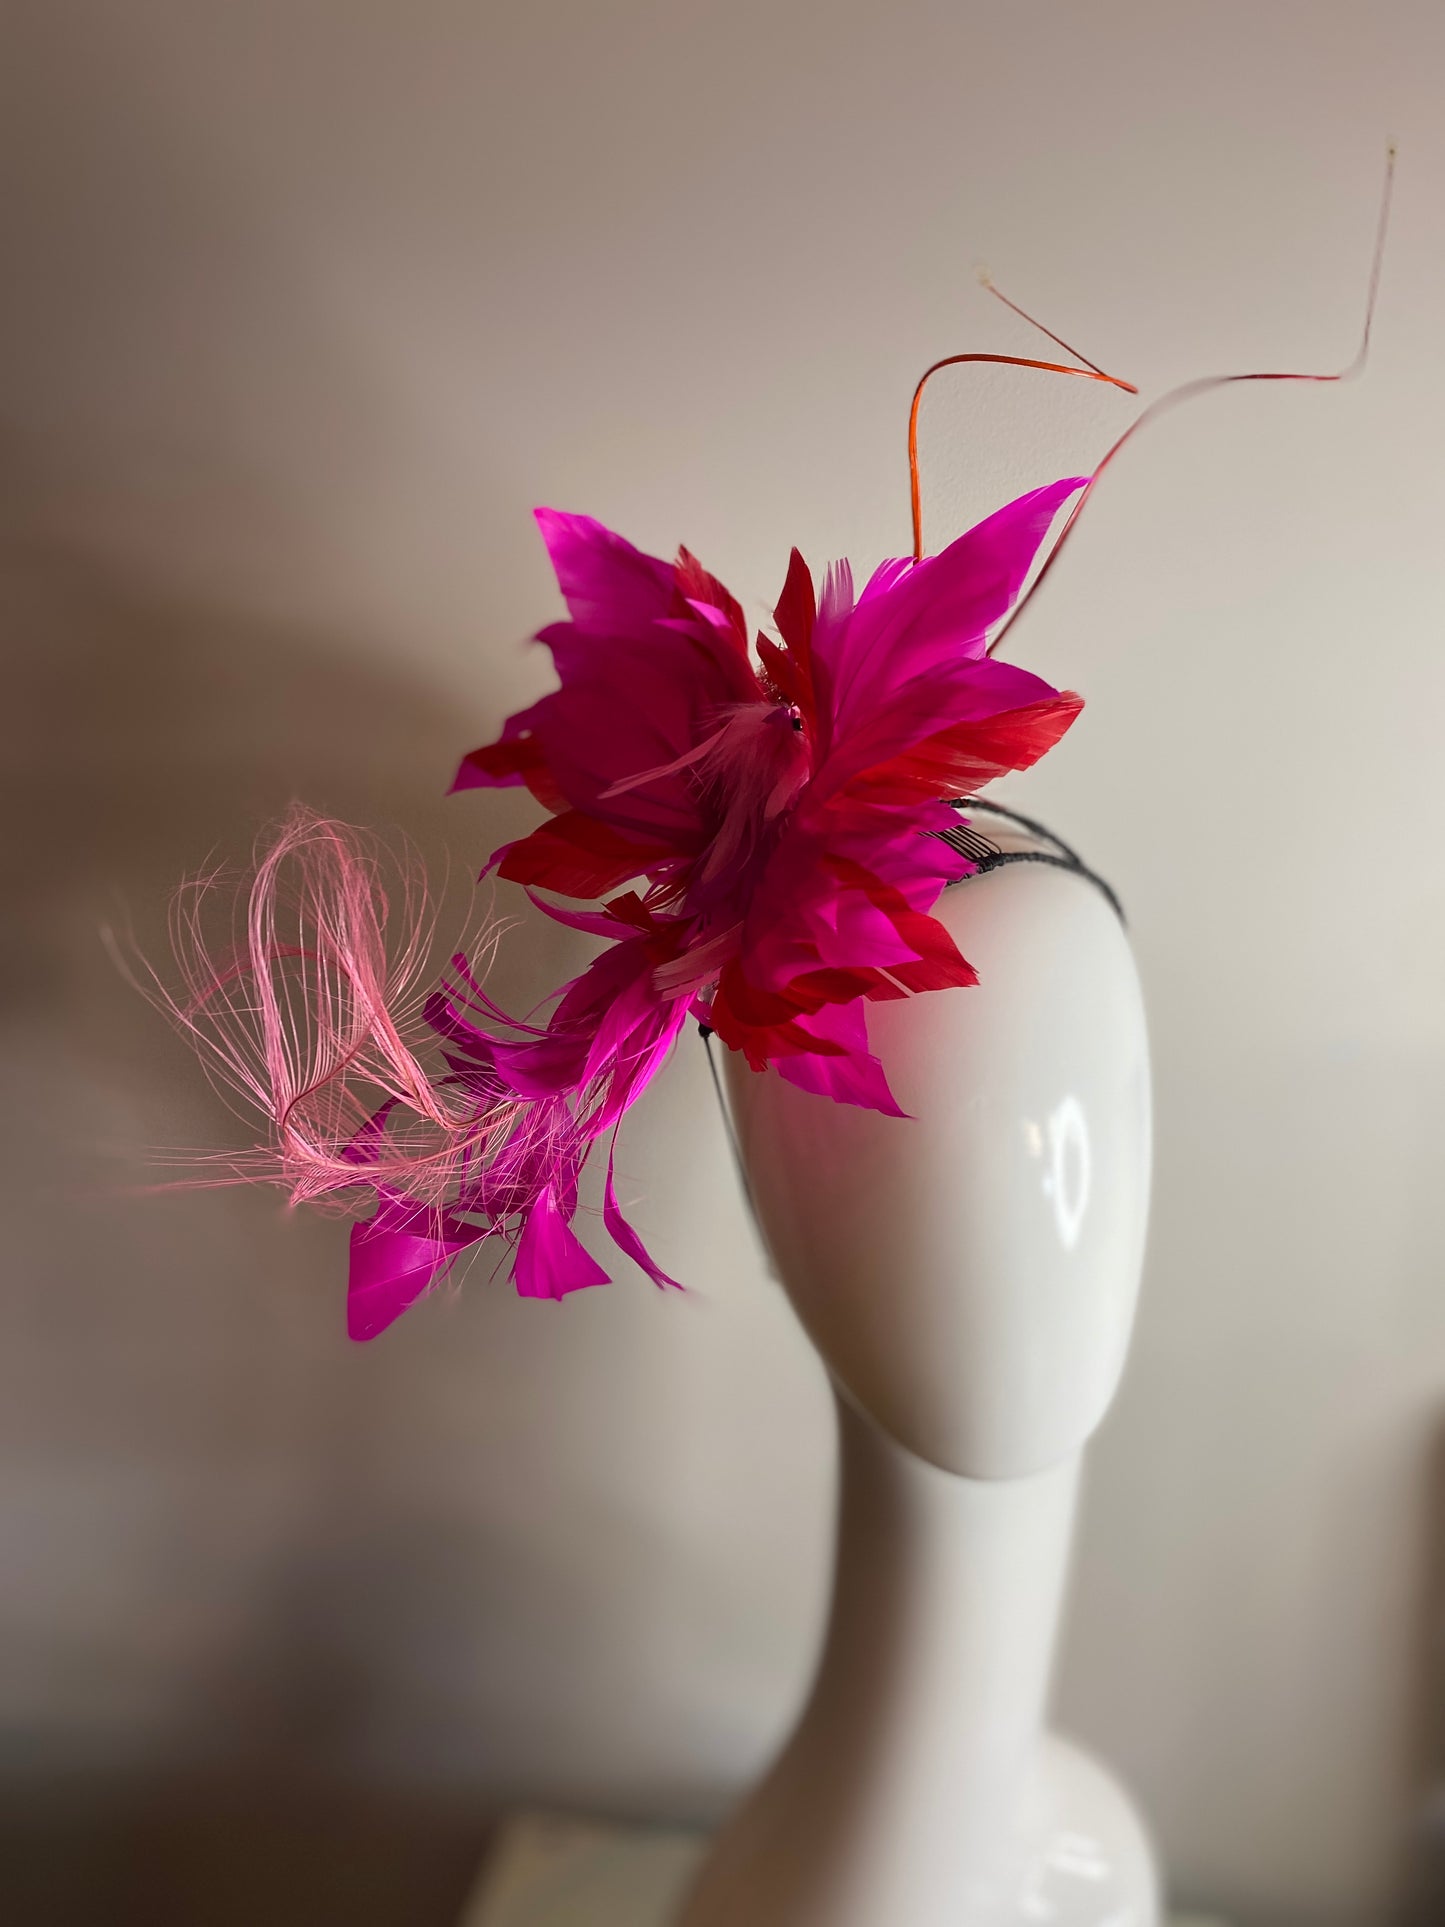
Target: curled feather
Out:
[310,1009]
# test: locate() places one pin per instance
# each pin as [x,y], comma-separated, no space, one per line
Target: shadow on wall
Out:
[209,1533]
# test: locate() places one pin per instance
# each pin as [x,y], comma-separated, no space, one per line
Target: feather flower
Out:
[752,825]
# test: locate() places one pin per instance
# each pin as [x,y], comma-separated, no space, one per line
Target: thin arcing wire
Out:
[735,1147]
[1204,384]
[1001,361]
[986,856]
[986,281]
[1056,862]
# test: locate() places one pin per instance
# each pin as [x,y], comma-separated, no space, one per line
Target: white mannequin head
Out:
[969,1273]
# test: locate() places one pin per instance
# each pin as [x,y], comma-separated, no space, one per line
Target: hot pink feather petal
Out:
[852,1076]
[625,1238]
[967,691]
[610,587]
[551,1259]
[396,1256]
[929,615]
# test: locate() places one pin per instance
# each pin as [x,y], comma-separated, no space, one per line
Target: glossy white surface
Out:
[550,1870]
[970,1272]
[969,1276]
[917,1789]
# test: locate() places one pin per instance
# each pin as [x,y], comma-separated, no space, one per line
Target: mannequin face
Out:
[969,1273]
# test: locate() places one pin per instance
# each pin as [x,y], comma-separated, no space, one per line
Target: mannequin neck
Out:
[947,1596]
[922,1732]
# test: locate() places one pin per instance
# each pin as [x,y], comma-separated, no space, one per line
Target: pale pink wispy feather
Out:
[310,1009]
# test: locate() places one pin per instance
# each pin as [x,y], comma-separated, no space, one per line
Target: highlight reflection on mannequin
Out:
[1070,1169]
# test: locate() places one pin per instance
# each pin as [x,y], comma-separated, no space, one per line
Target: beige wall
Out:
[305,305]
